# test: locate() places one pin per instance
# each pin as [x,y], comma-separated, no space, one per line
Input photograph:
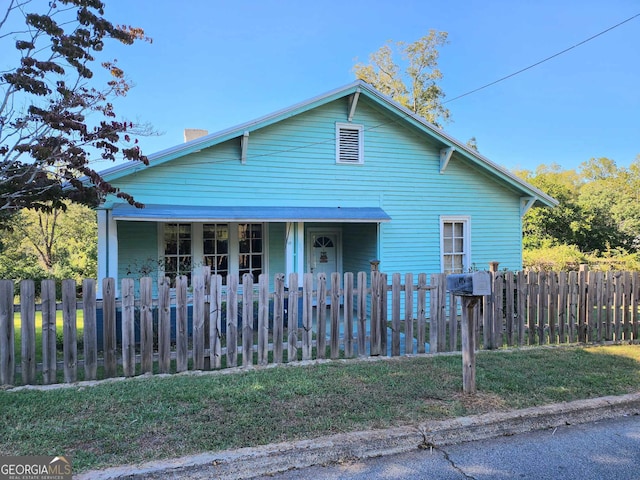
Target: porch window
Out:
[177,249]
[215,238]
[250,249]
[455,245]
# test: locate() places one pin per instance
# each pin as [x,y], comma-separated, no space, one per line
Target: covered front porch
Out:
[236,240]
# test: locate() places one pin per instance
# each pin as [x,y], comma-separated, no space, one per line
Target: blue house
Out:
[326,185]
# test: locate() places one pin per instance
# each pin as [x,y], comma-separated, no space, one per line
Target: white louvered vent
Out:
[349,145]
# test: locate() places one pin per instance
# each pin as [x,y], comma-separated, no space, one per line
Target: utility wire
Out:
[544,60]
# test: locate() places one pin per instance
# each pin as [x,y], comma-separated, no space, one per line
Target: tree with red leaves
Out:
[54,120]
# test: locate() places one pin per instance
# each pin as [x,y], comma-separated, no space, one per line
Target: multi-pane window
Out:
[215,238]
[236,248]
[250,249]
[455,250]
[177,249]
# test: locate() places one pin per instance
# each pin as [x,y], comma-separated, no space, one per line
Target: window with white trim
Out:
[455,244]
[349,144]
[177,249]
[225,247]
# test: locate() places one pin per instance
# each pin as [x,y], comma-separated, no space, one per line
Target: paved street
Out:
[608,449]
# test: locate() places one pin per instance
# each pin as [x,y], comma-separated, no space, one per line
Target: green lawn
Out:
[151,418]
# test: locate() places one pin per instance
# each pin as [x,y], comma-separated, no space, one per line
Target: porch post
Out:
[107,248]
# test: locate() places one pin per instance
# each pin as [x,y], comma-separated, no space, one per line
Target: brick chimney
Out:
[193,133]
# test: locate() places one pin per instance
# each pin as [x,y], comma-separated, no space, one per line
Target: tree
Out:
[417,87]
[57,244]
[53,119]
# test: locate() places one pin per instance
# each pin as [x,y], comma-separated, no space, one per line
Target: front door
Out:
[323,254]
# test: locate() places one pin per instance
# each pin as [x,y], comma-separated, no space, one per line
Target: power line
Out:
[544,60]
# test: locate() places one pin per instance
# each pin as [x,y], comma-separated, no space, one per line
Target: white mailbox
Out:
[469,284]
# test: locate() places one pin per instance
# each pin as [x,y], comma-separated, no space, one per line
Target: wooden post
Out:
[164,324]
[278,318]
[362,314]
[335,316]
[215,318]
[307,316]
[292,319]
[422,312]
[232,320]
[348,314]
[197,284]
[247,319]
[182,339]
[468,345]
[321,335]
[69,334]
[128,328]
[395,314]
[263,320]
[408,314]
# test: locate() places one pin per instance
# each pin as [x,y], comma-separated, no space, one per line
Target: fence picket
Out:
[521,319]
[278,318]
[395,314]
[164,324]
[348,314]
[182,332]
[562,306]
[362,314]
[552,299]
[109,327]
[90,337]
[69,331]
[334,333]
[232,320]
[128,328]
[197,284]
[307,316]
[408,313]
[509,308]
[146,324]
[49,338]
[292,319]
[247,319]
[421,312]
[7,335]
[263,319]
[28,330]
[215,319]
[321,322]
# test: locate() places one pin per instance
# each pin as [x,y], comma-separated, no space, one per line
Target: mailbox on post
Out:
[469,284]
[471,287]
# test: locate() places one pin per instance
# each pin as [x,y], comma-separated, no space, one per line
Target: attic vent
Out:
[349,143]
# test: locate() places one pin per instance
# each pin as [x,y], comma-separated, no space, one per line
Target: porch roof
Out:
[178,213]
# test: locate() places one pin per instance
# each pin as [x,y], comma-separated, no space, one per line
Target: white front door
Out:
[323,255]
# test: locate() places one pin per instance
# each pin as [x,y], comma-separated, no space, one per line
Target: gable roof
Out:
[358,87]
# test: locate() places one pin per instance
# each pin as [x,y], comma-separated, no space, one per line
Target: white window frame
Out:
[197,245]
[466,233]
[360,131]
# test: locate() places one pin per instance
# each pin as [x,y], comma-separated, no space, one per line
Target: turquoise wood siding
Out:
[292,163]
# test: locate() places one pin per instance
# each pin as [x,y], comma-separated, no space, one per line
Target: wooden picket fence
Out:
[206,326]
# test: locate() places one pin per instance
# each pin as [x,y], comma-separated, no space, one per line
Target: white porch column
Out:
[294,251]
[107,249]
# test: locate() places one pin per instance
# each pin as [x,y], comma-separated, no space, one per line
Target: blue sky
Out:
[215,64]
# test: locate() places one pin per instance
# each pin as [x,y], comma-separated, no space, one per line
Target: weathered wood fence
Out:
[207,326]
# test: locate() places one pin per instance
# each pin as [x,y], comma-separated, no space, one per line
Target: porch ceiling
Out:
[177,213]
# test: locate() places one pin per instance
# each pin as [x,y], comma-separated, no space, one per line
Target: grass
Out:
[152,418]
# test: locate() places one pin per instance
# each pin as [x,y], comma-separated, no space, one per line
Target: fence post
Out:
[383,314]
[375,313]
[422,312]
[28,330]
[70,336]
[49,346]
[434,308]
[164,324]
[247,319]
[90,329]
[468,332]
[182,332]
[7,336]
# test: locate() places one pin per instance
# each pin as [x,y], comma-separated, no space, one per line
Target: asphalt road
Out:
[606,449]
